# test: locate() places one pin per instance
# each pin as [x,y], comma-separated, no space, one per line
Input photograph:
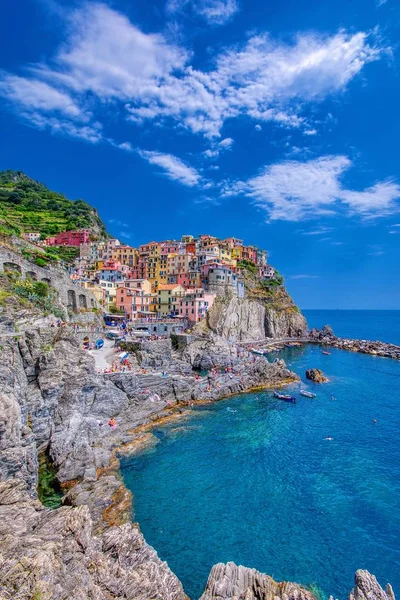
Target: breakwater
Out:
[326,337]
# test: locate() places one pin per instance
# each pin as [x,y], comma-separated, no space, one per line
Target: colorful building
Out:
[134,297]
[195,304]
[168,299]
[69,238]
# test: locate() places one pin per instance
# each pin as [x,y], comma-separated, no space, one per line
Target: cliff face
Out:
[254,318]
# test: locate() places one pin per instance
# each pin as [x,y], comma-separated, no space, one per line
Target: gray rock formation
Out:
[53,555]
[367,588]
[248,320]
[232,582]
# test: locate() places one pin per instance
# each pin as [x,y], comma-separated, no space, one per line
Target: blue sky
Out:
[274,122]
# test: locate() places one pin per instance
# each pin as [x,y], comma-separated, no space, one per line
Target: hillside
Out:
[27,205]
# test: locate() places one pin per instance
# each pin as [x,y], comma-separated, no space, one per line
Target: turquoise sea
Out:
[253,480]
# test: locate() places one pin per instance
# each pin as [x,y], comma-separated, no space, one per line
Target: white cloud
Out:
[226,143]
[173,167]
[381,2]
[394,232]
[304,276]
[34,95]
[90,133]
[310,132]
[108,61]
[258,127]
[215,12]
[321,230]
[295,190]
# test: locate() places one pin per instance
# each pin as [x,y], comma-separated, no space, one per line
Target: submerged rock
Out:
[316,375]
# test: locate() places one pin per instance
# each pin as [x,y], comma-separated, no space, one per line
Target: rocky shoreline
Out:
[52,400]
[326,337]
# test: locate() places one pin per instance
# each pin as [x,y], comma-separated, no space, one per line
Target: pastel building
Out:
[168,299]
[134,297]
[31,236]
[195,304]
[70,238]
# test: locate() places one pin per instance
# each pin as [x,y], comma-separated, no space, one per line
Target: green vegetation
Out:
[28,292]
[27,205]
[113,310]
[48,491]
[248,265]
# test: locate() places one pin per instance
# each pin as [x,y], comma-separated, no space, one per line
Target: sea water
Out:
[254,480]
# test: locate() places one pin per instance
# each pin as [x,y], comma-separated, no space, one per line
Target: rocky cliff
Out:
[53,401]
[255,317]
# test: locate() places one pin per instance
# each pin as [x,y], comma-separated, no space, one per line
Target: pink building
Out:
[69,238]
[134,297]
[195,304]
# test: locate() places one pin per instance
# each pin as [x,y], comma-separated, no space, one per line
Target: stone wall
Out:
[71,294]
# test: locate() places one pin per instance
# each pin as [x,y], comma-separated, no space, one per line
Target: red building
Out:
[69,238]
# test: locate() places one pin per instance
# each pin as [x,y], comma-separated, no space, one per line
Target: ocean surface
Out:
[252,479]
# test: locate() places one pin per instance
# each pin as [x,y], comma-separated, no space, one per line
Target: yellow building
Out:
[168,299]
[126,255]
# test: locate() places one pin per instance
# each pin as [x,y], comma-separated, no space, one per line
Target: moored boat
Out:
[285,397]
[307,394]
[325,352]
[255,351]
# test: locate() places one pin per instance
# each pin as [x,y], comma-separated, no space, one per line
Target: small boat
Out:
[285,397]
[325,352]
[307,394]
[254,351]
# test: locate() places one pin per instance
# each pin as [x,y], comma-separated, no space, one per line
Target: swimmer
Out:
[375,420]
[333,398]
[329,438]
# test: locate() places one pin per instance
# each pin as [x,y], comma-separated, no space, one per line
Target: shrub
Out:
[40,262]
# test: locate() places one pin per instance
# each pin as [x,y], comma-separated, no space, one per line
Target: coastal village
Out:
[165,280]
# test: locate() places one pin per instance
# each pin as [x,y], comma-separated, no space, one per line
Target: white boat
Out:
[307,394]
[254,351]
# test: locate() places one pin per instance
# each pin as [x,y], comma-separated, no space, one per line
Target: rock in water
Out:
[316,375]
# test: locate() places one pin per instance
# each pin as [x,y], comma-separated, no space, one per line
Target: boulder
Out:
[316,375]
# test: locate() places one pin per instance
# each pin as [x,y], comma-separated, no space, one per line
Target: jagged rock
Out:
[232,582]
[367,588]
[316,375]
[248,320]
[53,555]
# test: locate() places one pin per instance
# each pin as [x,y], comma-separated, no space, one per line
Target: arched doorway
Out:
[31,275]
[72,300]
[10,266]
[46,280]
[82,301]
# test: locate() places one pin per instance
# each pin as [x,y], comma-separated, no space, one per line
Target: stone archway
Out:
[46,280]
[10,266]
[92,304]
[82,301]
[71,294]
[31,274]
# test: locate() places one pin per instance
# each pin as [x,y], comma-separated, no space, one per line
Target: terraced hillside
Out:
[27,205]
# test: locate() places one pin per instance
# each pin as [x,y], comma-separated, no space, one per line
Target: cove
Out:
[252,480]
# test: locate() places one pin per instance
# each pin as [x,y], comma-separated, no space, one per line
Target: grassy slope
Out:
[27,205]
